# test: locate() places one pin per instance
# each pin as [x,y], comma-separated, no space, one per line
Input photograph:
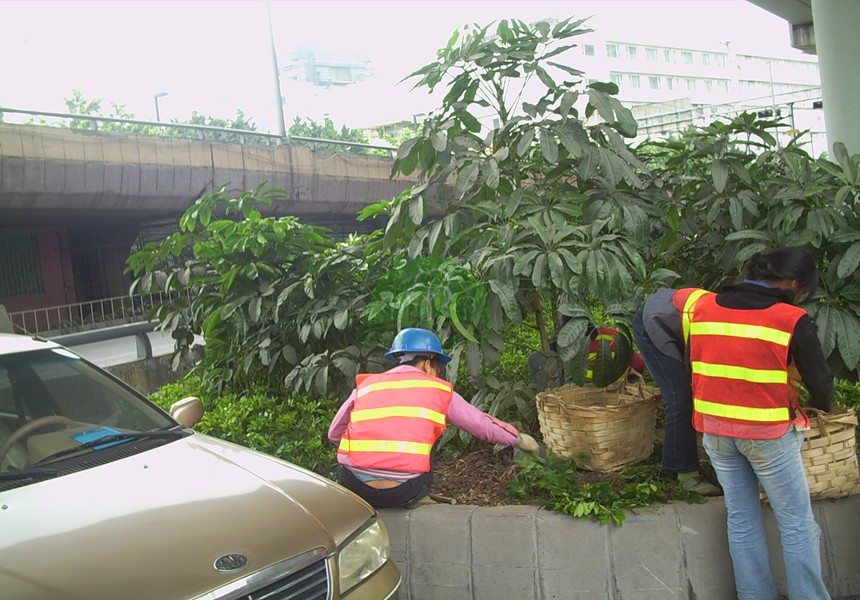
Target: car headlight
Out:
[363,556]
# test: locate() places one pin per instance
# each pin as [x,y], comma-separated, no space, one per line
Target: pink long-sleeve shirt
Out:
[461,414]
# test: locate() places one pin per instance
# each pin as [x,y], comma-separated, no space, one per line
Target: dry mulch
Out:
[480,477]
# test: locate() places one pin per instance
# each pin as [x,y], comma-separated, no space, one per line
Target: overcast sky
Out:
[214,56]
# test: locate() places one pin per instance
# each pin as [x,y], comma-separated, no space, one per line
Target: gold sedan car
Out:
[103,495]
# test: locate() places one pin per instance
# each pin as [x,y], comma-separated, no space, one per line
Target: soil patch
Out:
[481,477]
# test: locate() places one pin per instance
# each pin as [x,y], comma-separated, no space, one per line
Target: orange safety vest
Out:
[685,301]
[395,420]
[739,361]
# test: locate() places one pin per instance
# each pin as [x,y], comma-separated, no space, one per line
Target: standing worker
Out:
[743,343]
[658,331]
[386,431]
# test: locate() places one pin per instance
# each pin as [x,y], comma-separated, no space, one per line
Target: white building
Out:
[671,87]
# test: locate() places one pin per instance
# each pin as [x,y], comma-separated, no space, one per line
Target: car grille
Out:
[309,583]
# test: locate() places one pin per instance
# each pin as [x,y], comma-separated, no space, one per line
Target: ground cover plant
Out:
[516,235]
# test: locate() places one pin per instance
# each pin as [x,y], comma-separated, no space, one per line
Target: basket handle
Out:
[639,381]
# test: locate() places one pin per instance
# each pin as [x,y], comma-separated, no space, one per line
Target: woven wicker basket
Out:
[603,428]
[830,454]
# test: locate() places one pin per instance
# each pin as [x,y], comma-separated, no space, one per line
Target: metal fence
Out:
[161,129]
[85,316]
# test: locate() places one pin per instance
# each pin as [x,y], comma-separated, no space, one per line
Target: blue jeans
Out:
[680,454]
[741,465]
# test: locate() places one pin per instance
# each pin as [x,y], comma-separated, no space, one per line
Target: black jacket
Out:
[805,350]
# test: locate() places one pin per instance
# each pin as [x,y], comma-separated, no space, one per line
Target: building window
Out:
[651,54]
[706,59]
[654,82]
[709,84]
[721,60]
[20,267]
[615,78]
[691,84]
[724,85]
[667,55]
[588,49]
[687,57]
[631,52]
[634,81]
[670,83]
[612,50]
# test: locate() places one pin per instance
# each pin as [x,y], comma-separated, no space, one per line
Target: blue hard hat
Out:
[418,341]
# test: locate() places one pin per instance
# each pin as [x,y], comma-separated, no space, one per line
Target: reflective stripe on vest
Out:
[742,373]
[687,312]
[742,413]
[398,411]
[384,446]
[402,384]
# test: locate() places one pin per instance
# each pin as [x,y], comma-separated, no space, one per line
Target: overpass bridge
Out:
[61,175]
[74,203]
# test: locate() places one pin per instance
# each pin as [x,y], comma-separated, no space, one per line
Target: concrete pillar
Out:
[837,40]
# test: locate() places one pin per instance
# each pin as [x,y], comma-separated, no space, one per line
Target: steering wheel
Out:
[22,431]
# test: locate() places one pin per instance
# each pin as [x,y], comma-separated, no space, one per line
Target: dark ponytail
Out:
[784,263]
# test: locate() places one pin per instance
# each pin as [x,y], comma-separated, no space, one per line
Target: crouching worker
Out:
[387,430]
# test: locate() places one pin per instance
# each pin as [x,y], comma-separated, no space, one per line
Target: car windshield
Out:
[52,401]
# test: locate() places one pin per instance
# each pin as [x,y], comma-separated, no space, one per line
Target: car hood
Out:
[152,525]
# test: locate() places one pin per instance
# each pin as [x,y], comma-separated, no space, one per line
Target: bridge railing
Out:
[161,129]
[84,316]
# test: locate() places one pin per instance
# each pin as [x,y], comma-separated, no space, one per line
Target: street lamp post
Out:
[156,97]
[279,98]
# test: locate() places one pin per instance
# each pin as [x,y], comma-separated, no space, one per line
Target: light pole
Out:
[156,97]
[279,99]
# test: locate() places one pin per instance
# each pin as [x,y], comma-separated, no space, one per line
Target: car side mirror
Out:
[187,411]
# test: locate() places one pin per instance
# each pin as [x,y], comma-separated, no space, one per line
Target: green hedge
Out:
[290,427]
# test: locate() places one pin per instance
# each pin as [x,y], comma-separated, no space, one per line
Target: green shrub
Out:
[290,427]
[558,485]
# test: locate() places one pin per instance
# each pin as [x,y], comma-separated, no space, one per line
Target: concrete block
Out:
[113,178]
[55,176]
[34,175]
[93,149]
[129,151]
[645,554]
[201,180]
[52,145]
[840,536]
[433,581]
[569,584]
[200,154]
[396,521]
[73,147]
[146,150]
[31,143]
[504,536]
[164,179]
[75,177]
[112,150]
[496,582]
[130,179]
[94,176]
[11,173]
[181,152]
[705,544]
[10,142]
[440,534]
[182,181]
[261,160]
[148,179]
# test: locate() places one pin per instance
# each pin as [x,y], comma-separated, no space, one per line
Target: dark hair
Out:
[784,263]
